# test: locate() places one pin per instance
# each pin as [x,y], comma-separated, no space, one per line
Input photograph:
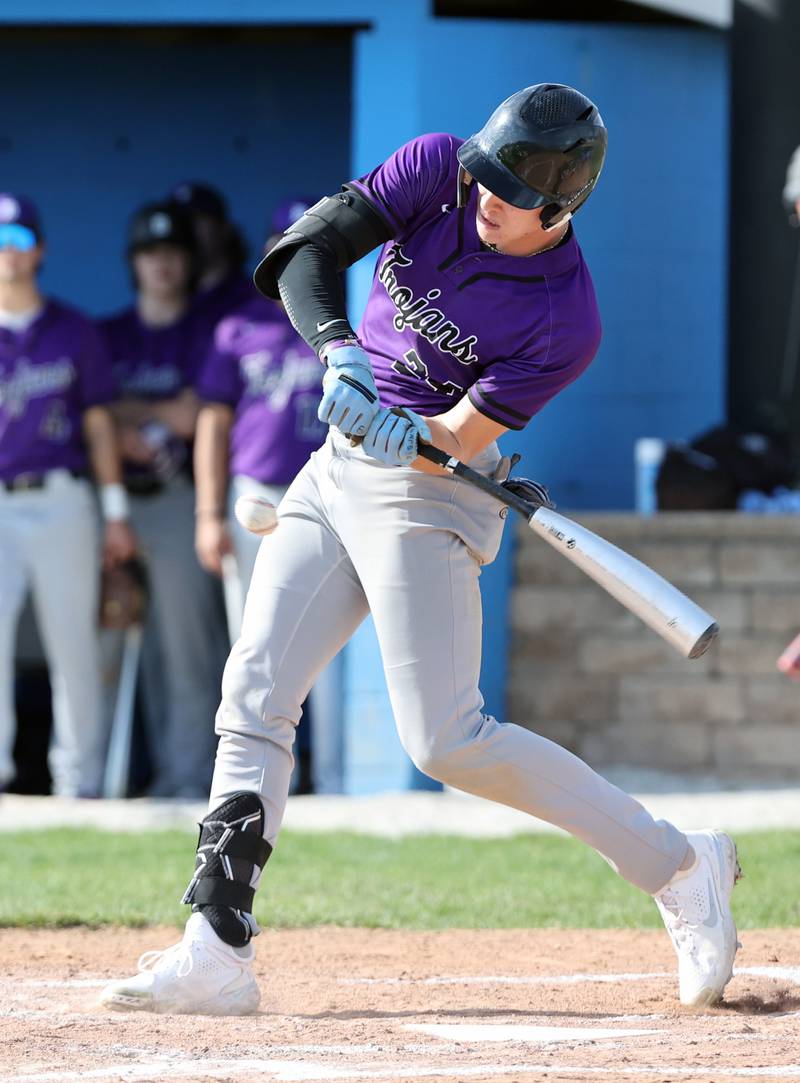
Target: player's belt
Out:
[26,482]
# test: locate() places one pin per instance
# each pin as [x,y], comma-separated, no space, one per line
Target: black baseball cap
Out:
[160,223]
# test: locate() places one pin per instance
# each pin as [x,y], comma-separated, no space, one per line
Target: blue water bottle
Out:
[647,454]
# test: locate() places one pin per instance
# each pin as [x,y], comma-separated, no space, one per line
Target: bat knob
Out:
[704,641]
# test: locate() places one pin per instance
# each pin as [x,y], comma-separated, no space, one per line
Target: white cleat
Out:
[201,975]
[695,906]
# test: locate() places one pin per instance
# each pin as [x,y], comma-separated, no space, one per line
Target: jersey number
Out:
[413,365]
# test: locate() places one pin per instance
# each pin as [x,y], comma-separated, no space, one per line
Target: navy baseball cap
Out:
[200,198]
[20,225]
[160,223]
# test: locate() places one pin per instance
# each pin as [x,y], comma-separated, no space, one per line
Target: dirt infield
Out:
[372,1004]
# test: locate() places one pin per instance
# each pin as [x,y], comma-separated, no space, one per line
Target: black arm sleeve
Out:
[303,268]
[311,290]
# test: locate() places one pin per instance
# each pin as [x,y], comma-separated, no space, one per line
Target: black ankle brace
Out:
[230,856]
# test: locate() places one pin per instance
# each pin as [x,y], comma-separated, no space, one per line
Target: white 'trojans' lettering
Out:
[28,381]
[420,315]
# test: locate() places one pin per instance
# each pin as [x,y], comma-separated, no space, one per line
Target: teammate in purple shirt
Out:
[481,310]
[55,431]
[156,347]
[260,383]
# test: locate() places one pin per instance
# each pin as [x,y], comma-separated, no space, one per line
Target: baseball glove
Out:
[123,595]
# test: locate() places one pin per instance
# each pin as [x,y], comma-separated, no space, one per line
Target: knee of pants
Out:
[443,755]
[252,704]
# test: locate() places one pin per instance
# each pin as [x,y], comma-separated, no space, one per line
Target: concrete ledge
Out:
[703,525]
[395,815]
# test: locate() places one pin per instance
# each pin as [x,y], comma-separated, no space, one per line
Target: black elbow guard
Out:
[346,226]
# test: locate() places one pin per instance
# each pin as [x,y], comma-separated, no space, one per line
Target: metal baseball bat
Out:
[676,618]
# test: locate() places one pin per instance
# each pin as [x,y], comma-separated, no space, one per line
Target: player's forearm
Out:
[446,440]
[211,459]
[462,432]
[101,445]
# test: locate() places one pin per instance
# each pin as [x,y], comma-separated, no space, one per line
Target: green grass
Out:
[87,877]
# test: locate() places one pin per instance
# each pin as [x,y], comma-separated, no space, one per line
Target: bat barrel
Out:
[679,620]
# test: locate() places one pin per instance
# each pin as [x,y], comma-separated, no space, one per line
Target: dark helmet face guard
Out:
[542,147]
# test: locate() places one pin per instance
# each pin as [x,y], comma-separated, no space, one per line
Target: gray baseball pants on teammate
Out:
[327,738]
[356,536]
[49,542]
[184,652]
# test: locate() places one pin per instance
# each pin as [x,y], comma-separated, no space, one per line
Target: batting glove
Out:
[350,397]
[392,438]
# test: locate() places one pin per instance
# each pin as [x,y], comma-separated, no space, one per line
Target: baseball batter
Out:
[481,310]
[55,430]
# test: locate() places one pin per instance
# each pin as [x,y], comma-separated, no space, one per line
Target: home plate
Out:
[512,1032]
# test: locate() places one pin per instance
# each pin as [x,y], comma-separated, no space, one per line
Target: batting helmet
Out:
[542,147]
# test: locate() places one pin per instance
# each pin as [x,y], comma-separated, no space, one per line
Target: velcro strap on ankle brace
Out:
[231,853]
[216,891]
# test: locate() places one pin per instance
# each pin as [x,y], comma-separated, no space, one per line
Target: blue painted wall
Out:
[653,233]
[136,116]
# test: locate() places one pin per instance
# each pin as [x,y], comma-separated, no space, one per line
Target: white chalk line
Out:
[291,1072]
[786,973]
[519,1032]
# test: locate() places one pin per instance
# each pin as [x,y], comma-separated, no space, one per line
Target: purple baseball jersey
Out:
[50,373]
[154,362]
[261,367]
[446,315]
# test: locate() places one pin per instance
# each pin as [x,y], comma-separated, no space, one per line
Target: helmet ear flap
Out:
[463,183]
[553,215]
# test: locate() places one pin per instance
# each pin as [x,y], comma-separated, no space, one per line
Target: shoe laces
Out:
[681,929]
[160,960]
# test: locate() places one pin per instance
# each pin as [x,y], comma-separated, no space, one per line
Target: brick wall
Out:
[590,675]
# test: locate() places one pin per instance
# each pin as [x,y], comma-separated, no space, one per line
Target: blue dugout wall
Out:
[654,233]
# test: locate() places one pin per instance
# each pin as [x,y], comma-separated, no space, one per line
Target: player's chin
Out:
[489,234]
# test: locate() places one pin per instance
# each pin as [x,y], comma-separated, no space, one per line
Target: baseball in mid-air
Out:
[256,514]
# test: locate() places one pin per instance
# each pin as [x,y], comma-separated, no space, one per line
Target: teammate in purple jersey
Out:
[260,385]
[55,431]
[480,311]
[156,347]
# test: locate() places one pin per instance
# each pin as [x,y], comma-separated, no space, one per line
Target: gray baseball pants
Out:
[327,738]
[49,543]
[184,644]
[357,537]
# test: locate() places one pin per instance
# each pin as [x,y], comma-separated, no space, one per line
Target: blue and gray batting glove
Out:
[350,397]
[392,438]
